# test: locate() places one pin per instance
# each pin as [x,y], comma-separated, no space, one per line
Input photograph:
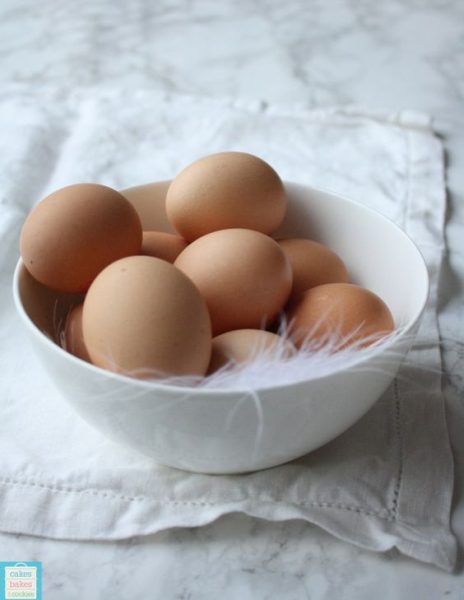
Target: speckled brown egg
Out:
[143,317]
[149,200]
[167,246]
[77,231]
[312,264]
[339,313]
[73,335]
[244,277]
[226,190]
[243,345]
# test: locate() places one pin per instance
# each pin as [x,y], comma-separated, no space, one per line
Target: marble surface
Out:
[390,55]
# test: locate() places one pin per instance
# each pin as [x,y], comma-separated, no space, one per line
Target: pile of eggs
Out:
[163,304]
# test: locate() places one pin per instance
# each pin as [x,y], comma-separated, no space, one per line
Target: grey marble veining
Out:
[388,55]
[236,557]
[315,52]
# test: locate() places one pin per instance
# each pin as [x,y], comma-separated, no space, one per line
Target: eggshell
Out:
[149,200]
[244,277]
[162,245]
[312,264]
[340,312]
[226,190]
[243,345]
[144,318]
[73,335]
[77,231]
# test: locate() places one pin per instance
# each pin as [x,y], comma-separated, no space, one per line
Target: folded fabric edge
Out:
[42,513]
[407,118]
[427,187]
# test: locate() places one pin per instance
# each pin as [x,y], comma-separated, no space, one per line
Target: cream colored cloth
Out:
[387,482]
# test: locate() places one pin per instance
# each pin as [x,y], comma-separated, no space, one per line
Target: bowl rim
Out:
[196,391]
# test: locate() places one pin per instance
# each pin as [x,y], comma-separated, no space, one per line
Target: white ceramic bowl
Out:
[217,431]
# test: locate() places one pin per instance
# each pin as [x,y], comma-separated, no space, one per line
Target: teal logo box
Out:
[21,580]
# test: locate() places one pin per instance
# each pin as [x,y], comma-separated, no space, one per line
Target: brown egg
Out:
[144,318]
[243,275]
[312,264]
[226,190]
[73,336]
[77,231]
[149,200]
[162,245]
[340,312]
[243,345]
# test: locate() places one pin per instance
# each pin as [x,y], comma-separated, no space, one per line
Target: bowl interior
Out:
[377,253]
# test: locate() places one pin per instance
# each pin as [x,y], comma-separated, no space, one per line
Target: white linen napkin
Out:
[387,482]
